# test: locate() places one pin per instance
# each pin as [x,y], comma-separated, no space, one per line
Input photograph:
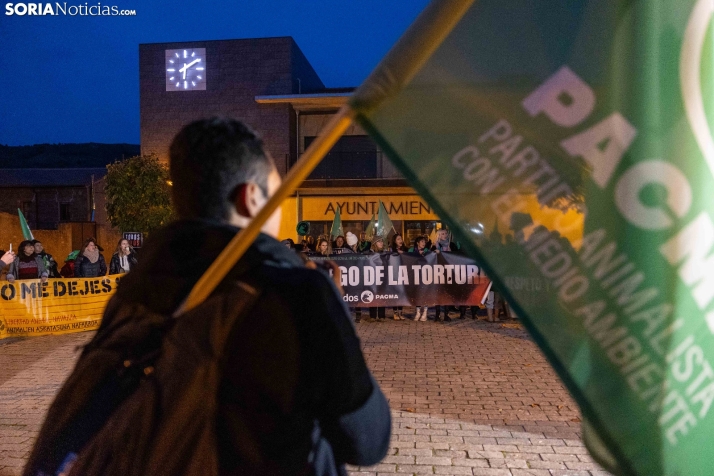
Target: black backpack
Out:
[142,399]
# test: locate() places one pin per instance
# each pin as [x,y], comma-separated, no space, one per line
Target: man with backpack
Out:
[266,377]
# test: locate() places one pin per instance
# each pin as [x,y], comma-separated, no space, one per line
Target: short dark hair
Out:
[208,160]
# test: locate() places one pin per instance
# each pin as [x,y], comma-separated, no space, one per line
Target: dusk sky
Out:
[76,78]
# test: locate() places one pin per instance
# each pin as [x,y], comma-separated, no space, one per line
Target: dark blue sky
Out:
[76,79]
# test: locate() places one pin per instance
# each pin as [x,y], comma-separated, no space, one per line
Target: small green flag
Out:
[569,145]
[303,228]
[336,229]
[26,232]
[369,232]
[384,224]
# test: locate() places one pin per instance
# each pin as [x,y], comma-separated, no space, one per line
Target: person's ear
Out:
[249,199]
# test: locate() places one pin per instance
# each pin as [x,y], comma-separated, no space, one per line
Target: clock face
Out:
[186,69]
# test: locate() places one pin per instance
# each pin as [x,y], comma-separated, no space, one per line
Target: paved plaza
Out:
[468,397]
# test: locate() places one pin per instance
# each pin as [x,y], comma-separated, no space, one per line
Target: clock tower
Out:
[186,69]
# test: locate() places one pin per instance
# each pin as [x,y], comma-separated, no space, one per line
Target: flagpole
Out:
[409,54]
[244,239]
[395,70]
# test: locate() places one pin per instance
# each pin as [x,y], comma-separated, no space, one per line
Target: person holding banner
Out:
[493,305]
[310,244]
[6,258]
[420,249]
[27,264]
[399,247]
[352,242]
[352,245]
[378,245]
[364,244]
[123,259]
[339,245]
[90,262]
[443,244]
[302,246]
[323,247]
[50,263]
[378,314]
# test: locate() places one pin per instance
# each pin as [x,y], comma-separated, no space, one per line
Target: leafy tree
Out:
[138,194]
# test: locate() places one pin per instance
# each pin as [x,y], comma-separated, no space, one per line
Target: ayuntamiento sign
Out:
[362,207]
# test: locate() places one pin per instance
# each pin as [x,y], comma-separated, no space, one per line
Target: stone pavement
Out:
[467,397]
[31,371]
[472,398]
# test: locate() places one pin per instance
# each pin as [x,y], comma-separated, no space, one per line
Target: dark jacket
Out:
[12,271]
[50,264]
[414,252]
[295,387]
[83,268]
[397,249]
[363,246]
[115,266]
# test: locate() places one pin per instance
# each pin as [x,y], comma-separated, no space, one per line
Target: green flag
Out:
[336,229]
[384,224]
[583,130]
[369,232]
[26,232]
[303,228]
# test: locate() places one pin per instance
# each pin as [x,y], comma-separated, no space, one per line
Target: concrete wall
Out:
[108,238]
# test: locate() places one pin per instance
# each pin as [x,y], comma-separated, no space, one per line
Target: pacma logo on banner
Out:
[368,296]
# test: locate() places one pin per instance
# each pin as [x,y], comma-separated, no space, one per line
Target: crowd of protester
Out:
[32,261]
[421,246]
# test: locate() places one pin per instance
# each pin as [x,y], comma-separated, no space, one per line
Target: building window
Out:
[351,157]
[28,209]
[64,212]
[416,228]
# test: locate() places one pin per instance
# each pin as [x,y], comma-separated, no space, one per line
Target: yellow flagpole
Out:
[402,62]
[244,239]
[409,54]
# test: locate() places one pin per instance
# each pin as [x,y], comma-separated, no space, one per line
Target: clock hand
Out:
[186,66]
